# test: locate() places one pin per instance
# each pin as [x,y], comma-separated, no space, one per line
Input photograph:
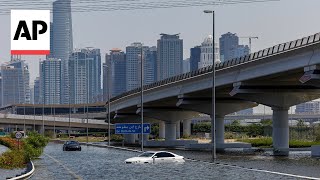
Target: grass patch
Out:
[267,142]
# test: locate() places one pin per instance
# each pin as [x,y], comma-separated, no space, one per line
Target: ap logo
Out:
[30,32]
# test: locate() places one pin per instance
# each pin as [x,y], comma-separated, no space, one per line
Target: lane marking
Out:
[65,167]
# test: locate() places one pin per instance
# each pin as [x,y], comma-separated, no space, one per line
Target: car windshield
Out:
[146,154]
[72,142]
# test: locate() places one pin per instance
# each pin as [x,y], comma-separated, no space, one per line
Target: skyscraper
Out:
[133,58]
[186,65]
[150,65]
[170,56]
[105,77]
[15,83]
[36,91]
[195,54]
[228,42]
[50,81]
[206,52]
[81,73]
[118,71]
[95,55]
[62,41]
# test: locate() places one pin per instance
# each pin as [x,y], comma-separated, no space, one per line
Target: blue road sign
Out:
[132,128]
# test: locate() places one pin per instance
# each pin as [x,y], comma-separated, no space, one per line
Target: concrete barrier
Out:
[315,151]
[25,175]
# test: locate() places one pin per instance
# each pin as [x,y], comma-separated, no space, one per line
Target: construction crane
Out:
[250,40]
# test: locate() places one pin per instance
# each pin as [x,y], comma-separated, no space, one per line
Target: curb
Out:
[25,175]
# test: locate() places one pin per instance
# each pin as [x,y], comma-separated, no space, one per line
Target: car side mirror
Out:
[155,156]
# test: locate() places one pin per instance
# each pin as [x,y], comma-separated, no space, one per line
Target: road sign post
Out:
[18,136]
[132,128]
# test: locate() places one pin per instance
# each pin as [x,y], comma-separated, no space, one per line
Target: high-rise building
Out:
[36,91]
[228,42]
[230,48]
[206,52]
[118,79]
[50,81]
[105,77]
[195,54]
[62,41]
[15,87]
[186,65]
[81,74]
[170,56]
[95,55]
[133,59]
[133,66]
[240,51]
[150,65]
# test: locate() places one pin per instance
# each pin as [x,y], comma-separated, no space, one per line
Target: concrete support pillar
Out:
[171,131]
[129,138]
[161,129]
[280,132]
[178,130]
[187,128]
[219,130]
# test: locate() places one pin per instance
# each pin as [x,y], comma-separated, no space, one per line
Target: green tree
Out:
[202,127]
[155,130]
[266,122]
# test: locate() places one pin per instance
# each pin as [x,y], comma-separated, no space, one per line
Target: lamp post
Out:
[141,80]
[213,103]
[108,66]
[69,129]
[43,115]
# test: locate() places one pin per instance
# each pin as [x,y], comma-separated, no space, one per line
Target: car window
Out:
[164,154]
[146,154]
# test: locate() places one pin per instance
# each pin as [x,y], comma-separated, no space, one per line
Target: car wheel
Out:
[63,149]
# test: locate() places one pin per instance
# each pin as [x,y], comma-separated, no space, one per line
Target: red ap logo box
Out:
[30,32]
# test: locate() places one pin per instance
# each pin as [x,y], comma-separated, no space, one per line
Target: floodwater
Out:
[106,163]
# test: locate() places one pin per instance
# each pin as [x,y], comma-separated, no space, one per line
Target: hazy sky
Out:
[272,22]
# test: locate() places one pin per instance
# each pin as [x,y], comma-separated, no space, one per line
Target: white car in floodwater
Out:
[155,157]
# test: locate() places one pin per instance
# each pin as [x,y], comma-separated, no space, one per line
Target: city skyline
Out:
[253,25]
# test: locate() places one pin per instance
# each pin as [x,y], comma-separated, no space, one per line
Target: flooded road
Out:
[105,163]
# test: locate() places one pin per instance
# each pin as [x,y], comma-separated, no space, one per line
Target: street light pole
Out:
[109,97]
[141,80]
[43,115]
[69,129]
[213,103]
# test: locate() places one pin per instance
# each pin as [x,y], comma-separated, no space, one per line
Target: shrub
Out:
[202,128]
[116,138]
[229,135]
[30,148]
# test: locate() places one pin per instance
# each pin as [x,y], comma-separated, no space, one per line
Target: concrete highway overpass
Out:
[49,122]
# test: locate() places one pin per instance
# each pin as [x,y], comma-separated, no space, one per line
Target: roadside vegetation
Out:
[20,153]
[260,134]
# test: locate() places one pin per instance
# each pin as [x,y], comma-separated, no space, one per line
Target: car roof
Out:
[158,152]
